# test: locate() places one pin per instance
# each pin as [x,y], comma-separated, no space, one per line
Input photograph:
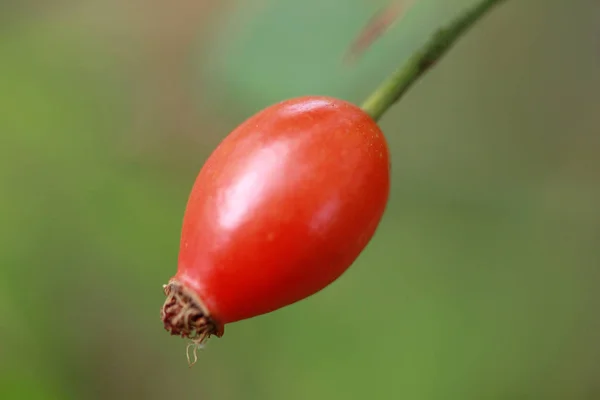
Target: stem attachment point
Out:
[394,87]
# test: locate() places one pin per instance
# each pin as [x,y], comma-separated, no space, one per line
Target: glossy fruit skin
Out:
[283,207]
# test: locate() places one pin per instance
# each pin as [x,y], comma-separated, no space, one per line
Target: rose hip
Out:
[282,207]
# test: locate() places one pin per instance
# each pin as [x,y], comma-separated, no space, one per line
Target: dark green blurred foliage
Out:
[480,284]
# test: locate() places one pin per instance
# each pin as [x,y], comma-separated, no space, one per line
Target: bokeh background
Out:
[481,283]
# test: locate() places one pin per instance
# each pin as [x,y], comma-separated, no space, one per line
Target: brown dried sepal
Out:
[377,26]
[183,314]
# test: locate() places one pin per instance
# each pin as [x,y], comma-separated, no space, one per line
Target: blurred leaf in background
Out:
[480,283]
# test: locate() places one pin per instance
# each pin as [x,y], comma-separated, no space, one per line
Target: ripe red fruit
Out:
[280,210]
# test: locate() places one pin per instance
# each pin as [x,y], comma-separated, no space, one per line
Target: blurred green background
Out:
[481,283]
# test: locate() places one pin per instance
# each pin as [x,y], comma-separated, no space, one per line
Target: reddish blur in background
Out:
[481,283]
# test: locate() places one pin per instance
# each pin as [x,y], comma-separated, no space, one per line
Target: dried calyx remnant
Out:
[184,315]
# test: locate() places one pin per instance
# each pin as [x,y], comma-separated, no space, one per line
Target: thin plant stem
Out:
[398,83]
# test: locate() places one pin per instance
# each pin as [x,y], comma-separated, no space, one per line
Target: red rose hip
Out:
[280,210]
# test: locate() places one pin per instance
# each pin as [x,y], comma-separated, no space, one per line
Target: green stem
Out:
[394,87]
